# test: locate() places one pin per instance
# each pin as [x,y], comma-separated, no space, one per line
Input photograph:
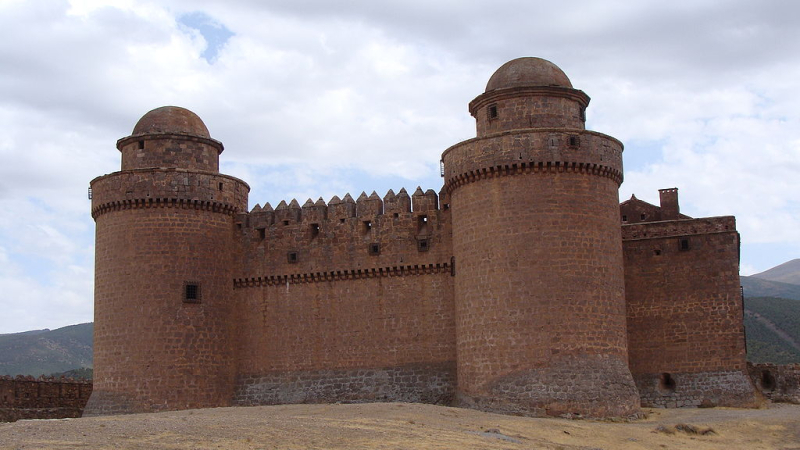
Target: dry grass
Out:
[403,426]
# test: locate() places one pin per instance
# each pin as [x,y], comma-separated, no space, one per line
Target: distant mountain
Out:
[788,272]
[759,287]
[45,352]
[772,327]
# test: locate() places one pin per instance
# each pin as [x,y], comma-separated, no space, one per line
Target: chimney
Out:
[670,210]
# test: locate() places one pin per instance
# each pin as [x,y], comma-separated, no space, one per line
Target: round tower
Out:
[164,264]
[540,305]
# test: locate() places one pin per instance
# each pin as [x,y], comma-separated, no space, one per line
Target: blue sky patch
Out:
[215,33]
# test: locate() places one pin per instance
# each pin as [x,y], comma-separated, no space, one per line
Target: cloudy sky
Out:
[313,98]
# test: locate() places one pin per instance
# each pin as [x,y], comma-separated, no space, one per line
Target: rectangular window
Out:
[291,257]
[684,244]
[492,112]
[191,292]
[374,249]
[423,245]
[314,230]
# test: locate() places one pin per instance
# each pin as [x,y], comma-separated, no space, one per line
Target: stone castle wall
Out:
[349,301]
[685,324]
[42,398]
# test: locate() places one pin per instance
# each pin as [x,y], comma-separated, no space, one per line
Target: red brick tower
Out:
[539,289]
[164,268]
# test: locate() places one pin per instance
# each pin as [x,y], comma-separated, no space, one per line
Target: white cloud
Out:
[316,98]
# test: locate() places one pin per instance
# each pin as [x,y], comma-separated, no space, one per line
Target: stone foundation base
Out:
[704,389]
[424,383]
[581,386]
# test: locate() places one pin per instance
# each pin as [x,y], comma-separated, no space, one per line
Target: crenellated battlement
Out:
[346,234]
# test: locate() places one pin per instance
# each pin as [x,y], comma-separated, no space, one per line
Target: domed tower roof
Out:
[526,72]
[171,120]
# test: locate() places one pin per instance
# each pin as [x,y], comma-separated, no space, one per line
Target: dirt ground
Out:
[405,426]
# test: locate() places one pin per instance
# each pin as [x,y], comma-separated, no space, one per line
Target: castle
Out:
[523,287]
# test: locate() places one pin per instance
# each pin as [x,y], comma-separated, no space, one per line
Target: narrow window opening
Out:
[684,244]
[624,218]
[314,230]
[643,216]
[141,145]
[220,186]
[423,245]
[366,226]
[666,384]
[492,111]
[767,381]
[291,257]
[574,141]
[452,266]
[374,249]
[262,233]
[191,292]
[422,224]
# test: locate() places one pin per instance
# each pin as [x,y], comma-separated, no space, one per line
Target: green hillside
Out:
[44,352]
[776,337]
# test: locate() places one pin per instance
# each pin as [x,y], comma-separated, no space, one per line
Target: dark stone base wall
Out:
[430,383]
[15,414]
[104,403]
[703,389]
[779,383]
[587,386]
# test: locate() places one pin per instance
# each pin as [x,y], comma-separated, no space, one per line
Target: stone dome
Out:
[171,119]
[527,71]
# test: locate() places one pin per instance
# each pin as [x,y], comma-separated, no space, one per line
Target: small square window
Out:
[285,222]
[492,111]
[191,292]
[624,218]
[374,249]
[423,245]
[291,257]
[643,216]
[684,244]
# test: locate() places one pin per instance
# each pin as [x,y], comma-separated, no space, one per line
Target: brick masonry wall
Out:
[684,306]
[29,398]
[779,383]
[152,350]
[384,338]
[345,321]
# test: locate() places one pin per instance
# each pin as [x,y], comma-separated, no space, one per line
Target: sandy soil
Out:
[403,426]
